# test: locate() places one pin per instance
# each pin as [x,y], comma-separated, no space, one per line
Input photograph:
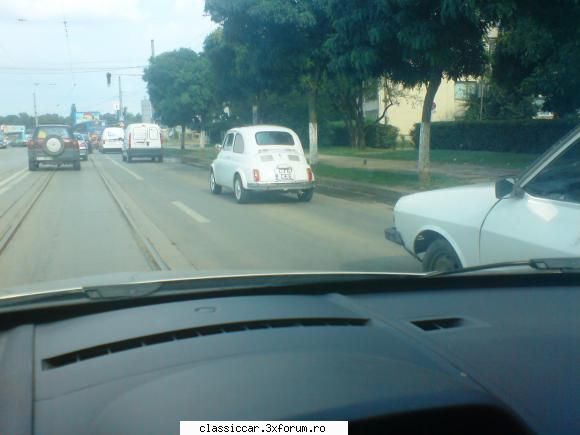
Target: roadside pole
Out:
[121,116]
[35,114]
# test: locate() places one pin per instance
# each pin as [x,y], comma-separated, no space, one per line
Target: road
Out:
[116,217]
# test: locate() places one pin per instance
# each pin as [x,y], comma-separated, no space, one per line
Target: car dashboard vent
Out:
[184,334]
[437,324]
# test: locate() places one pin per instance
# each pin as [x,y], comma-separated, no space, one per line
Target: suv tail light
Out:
[256,174]
[75,144]
[129,141]
[310,175]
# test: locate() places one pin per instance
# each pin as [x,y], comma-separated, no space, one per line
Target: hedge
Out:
[329,134]
[526,136]
[334,134]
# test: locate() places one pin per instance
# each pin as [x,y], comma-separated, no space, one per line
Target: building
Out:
[146,111]
[405,112]
[407,104]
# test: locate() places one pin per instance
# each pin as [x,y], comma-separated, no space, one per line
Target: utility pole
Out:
[35,114]
[151,104]
[121,110]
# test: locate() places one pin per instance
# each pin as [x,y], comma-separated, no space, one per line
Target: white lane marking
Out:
[127,170]
[14,181]
[191,213]
[16,174]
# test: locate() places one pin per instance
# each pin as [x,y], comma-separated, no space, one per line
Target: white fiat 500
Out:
[535,216]
[261,158]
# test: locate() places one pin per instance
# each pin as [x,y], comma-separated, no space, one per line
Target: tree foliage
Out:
[28,120]
[277,46]
[538,52]
[178,84]
[500,104]
[412,42]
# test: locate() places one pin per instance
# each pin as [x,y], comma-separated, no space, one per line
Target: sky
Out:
[65,64]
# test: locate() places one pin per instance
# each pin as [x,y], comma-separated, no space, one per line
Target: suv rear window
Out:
[274,138]
[43,132]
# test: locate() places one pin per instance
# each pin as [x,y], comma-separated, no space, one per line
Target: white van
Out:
[111,139]
[142,141]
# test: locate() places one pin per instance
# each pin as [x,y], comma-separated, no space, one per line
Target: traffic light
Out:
[108,79]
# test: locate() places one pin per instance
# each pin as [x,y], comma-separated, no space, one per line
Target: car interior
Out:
[381,352]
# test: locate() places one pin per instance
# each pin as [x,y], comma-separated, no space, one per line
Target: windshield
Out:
[275,136]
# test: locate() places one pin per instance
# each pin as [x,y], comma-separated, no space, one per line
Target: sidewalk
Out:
[469,173]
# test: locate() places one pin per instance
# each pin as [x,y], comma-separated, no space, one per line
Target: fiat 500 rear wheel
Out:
[241,194]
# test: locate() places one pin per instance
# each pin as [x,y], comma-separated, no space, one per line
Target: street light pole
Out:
[35,114]
[121,115]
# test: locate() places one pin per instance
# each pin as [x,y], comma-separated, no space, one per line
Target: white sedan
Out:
[534,216]
[261,158]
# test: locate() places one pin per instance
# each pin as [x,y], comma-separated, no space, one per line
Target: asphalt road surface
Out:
[110,217]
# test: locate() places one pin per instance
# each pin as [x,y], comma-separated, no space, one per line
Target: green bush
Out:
[381,135]
[335,134]
[519,136]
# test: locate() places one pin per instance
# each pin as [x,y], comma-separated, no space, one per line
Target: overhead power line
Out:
[62,69]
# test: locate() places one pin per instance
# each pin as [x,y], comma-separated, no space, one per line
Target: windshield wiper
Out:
[562,265]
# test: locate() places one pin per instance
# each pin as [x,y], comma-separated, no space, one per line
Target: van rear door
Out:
[153,137]
[139,137]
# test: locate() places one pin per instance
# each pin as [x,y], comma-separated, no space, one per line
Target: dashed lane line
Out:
[191,213]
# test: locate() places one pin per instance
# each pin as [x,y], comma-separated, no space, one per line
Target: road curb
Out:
[332,186]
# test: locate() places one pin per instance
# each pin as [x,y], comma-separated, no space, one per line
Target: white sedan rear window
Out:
[274,138]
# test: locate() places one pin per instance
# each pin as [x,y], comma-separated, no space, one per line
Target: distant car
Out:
[2,144]
[53,144]
[142,141]
[533,216]
[262,158]
[83,146]
[112,140]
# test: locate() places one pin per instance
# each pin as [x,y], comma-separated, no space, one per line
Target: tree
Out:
[283,41]
[112,118]
[235,81]
[53,118]
[499,103]
[538,53]
[415,43]
[177,82]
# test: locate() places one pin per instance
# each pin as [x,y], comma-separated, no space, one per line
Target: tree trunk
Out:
[202,138]
[313,126]
[183,137]
[360,119]
[423,165]
[255,113]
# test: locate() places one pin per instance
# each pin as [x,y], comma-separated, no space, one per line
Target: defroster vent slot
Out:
[184,334]
[437,324]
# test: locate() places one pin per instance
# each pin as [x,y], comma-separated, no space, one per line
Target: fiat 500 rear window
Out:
[274,138]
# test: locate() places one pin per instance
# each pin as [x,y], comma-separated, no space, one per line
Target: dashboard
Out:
[474,360]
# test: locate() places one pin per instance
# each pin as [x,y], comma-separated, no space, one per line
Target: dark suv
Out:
[54,144]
